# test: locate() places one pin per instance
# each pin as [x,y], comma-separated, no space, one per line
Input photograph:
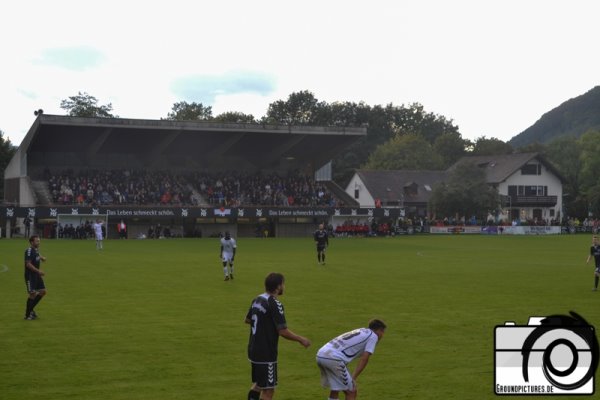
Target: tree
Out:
[414,119]
[535,147]
[589,143]
[409,151]
[84,105]
[565,154]
[348,114]
[466,193]
[486,147]
[7,151]
[235,117]
[184,111]
[301,108]
[451,147]
[385,123]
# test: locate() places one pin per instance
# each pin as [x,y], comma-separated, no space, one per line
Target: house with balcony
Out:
[530,187]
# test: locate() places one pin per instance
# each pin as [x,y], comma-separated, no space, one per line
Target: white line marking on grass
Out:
[3,268]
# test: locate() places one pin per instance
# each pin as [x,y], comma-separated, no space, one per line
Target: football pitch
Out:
[153,319]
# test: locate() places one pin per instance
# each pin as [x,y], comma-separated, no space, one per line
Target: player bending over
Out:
[334,357]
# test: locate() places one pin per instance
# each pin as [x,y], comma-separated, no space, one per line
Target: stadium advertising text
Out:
[298,213]
[141,213]
[197,212]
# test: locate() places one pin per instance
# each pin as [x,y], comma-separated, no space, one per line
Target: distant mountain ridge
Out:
[574,117]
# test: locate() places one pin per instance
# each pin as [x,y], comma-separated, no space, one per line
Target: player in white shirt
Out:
[334,357]
[97,226]
[227,254]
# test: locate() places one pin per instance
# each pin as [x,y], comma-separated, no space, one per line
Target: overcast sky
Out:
[492,66]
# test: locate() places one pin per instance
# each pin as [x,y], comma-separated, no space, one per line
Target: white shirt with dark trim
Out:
[228,245]
[350,345]
[97,229]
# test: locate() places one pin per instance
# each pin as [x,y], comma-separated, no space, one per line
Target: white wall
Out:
[547,178]
[364,197]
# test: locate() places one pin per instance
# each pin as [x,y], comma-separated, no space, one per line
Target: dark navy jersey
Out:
[33,256]
[595,251]
[267,319]
[321,238]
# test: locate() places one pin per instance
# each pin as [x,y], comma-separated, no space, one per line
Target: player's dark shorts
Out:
[264,374]
[321,247]
[34,282]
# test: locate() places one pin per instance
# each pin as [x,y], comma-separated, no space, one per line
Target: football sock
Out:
[36,300]
[596,278]
[225,270]
[29,307]
[323,257]
[231,269]
[253,395]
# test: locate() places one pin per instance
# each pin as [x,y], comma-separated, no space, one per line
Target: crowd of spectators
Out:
[591,225]
[230,189]
[233,189]
[118,187]
[358,228]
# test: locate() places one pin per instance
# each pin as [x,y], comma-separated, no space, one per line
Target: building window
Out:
[522,190]
[531,169]
[542,190]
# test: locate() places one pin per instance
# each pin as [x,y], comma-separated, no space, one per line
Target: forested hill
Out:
[574,117]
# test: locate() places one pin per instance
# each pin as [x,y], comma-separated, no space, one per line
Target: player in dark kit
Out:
[267,323]
[595,252]
[322,241]
[33,277]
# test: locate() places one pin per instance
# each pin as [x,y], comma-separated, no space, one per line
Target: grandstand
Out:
[198,178]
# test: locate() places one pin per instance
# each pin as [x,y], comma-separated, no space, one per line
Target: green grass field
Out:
[154,319]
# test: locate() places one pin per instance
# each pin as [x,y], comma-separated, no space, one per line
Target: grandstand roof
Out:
[202,143]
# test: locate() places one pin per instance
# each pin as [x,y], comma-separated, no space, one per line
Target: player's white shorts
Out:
[335,374]
[98,236]
[227,257]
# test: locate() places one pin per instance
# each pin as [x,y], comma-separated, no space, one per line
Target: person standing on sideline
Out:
[27,223]
[334,357]
[33,277]
[267,322]
[595,252]
[227,254]
[97,226]
[122,229]
[322,241]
